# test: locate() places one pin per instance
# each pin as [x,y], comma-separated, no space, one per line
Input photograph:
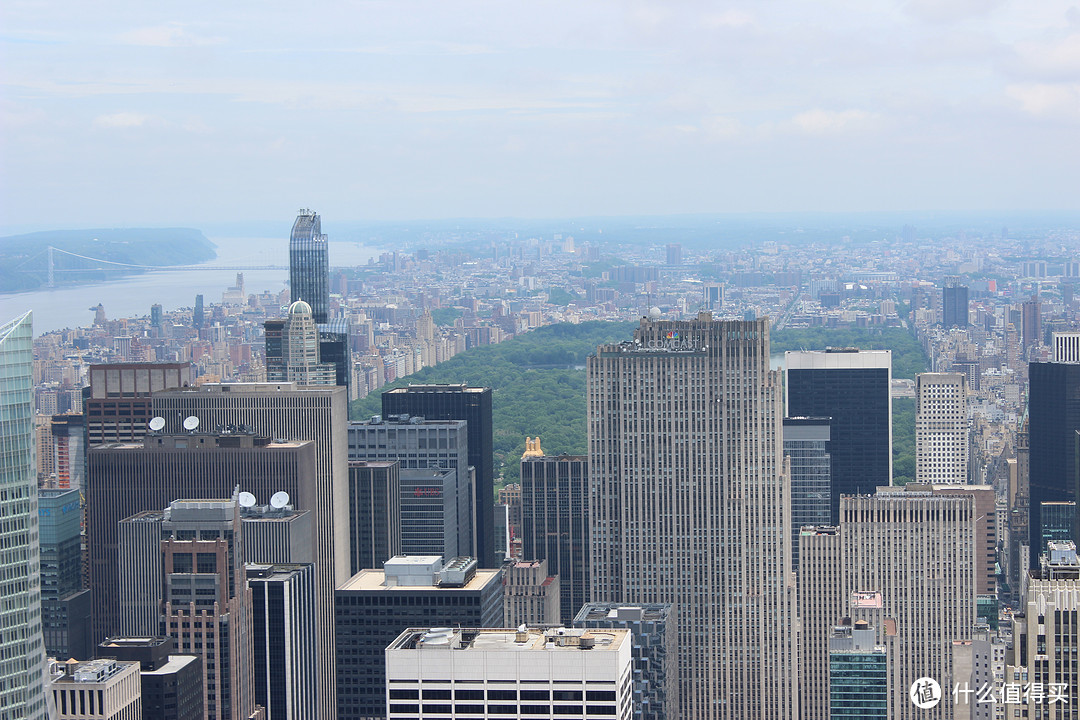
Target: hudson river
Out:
[132,296]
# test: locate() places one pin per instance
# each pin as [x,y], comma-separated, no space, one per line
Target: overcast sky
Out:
[127,113]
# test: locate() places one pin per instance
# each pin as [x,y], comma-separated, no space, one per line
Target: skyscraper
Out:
[472,404]
[555,522]
[806,445]
[376,605]
[309,264]
[1053,422]
[285,411]
[22,653]
[65,604]
[954,304]
[374,513]
[434,480]
[852,388]
[690,505]
[283,638]
[918,552]
[941,428]
[298,344]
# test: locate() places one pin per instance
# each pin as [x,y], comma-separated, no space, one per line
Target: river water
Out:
[133,295]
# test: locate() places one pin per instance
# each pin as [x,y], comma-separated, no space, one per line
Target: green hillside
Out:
[23,264]
[538,383]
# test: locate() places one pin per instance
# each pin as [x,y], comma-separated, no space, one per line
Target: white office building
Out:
[560,672]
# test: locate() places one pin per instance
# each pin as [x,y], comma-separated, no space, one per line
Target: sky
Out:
[120,114]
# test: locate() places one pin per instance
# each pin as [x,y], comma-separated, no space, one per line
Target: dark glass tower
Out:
[851,387]
[954,305]
[1053,422]
[555,523]
[309,264]
[473,405]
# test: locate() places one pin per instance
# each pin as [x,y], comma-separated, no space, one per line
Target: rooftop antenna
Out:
[279,499]
[191,423]
[246,500]
[156,424]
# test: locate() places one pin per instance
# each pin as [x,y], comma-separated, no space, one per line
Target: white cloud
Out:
[168,35]
[1048,100]
[121,120]
[728,19]
[819,122]
[1059,59]
[945,11]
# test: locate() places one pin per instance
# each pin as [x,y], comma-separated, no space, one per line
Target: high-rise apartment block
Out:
[942,437]
[1053,421]
[22,656]
[446,672]
[555,522]
[530,595]
[473,405]
[655,652]
[102,689]
[806,445]
[851,387]
[65,603]
[375,606]
[287,412]
[309,264]
[685,425]
[283,640]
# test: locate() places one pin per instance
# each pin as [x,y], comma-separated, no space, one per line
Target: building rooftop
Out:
[622,612]
[503,640]
[376,580]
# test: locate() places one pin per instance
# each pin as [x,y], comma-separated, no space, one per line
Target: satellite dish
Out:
[157,423]
[246,499]
[191,422]
[280,499]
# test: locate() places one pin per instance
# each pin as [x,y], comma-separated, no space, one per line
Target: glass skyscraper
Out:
[22,652]
[309,264]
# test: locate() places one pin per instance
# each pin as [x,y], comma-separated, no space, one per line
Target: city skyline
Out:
[483,109]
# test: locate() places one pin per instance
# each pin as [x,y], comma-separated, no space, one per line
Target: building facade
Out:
[434,479]
[287,412]
[555,523]
[655,651]
[65,603]
[1053,421]
[309,264]
[942,434]
[858,674]
[502,673]
[374,512]
[172,687]
[473,405]
[685,434]
[96,690]
[530,595]
[806,446]
[852,388]
[22,652]
[375,606]
[283,639]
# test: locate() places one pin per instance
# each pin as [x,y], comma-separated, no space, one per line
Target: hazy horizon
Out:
[482,109]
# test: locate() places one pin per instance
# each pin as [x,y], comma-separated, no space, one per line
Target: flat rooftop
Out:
[373,580]
[504,640]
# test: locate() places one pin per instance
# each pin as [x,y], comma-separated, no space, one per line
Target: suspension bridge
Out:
[53,260]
